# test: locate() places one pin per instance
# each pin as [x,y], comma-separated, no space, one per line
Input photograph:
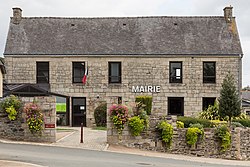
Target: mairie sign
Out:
[151,89]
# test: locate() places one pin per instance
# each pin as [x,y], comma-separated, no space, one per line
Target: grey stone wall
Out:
[208,147]
[135,71]
[12,130]
[18,129]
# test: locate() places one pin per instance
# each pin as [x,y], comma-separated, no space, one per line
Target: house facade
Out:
[179,61]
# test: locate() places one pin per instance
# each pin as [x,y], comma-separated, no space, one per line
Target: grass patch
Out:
[99,128]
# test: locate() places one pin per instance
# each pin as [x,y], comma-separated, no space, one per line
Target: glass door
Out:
[79,111]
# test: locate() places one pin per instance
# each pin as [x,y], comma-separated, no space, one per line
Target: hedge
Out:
[100,115]
[191,120]
[244,122]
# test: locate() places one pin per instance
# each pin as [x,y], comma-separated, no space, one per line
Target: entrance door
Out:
[78,111]
[176,106]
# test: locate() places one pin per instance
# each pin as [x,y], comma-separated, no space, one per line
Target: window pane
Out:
[114,69]
[42,72]
[114,72]
[175,72]
[209,72]
[78,71]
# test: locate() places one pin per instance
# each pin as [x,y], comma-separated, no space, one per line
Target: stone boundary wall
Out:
[18,129]
[208,147]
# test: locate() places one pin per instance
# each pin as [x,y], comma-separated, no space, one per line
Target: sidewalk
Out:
[4,163]
[97,140]
[92,139]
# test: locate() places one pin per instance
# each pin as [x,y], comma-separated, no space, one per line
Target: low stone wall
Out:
[18,129]
[208,147]
[12,130]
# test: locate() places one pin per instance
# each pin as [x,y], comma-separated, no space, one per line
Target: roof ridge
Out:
[120,17]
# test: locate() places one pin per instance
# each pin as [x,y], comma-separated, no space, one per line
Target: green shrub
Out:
[147,101]
[223,134]
[236,124]
[191,120]
[194,132]
[11,105]
[244,122]
[12,113]
[242,116]
[136,125]
[211,113]
[138,110]
[143,115]
[197,125]
[100,115]
[217,123]
[166,131]
[180,124]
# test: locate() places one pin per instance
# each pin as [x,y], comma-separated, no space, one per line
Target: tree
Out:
[229,101]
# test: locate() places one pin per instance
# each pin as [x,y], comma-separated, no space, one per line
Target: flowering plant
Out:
[34,118]
[11,105]
[119,116]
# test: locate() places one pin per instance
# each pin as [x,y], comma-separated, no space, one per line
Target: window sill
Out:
[212,83]
[115,84]
[176,84]
[78,84]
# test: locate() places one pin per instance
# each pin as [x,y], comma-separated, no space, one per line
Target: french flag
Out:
[84,78]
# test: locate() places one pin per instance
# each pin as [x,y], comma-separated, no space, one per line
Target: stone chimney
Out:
[228,14]
[17,15]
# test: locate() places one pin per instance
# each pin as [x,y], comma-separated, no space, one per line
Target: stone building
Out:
[245,102]
[179,61]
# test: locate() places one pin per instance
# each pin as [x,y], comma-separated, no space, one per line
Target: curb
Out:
[135,151]
[18,164]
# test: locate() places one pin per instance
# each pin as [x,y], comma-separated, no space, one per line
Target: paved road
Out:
[70,157]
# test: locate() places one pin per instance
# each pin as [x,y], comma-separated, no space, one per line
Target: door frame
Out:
[79,114]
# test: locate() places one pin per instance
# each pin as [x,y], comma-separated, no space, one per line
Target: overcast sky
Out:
[107,8]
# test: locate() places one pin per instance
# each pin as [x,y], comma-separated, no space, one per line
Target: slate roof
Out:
[123,36]
[27,89]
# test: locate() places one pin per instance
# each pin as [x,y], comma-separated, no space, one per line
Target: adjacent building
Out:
[245,102]
[179,61]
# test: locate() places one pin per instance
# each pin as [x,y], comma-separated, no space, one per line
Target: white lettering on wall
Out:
[145,89]
[135,89]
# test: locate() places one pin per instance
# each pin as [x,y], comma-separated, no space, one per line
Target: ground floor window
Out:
[206,101]
[176,106]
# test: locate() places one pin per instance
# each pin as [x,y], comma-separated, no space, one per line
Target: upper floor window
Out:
[209,72]
[175,72]
[78,71]
[115,72]
[42,72]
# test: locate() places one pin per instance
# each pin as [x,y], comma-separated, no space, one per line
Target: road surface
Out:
[70,157]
